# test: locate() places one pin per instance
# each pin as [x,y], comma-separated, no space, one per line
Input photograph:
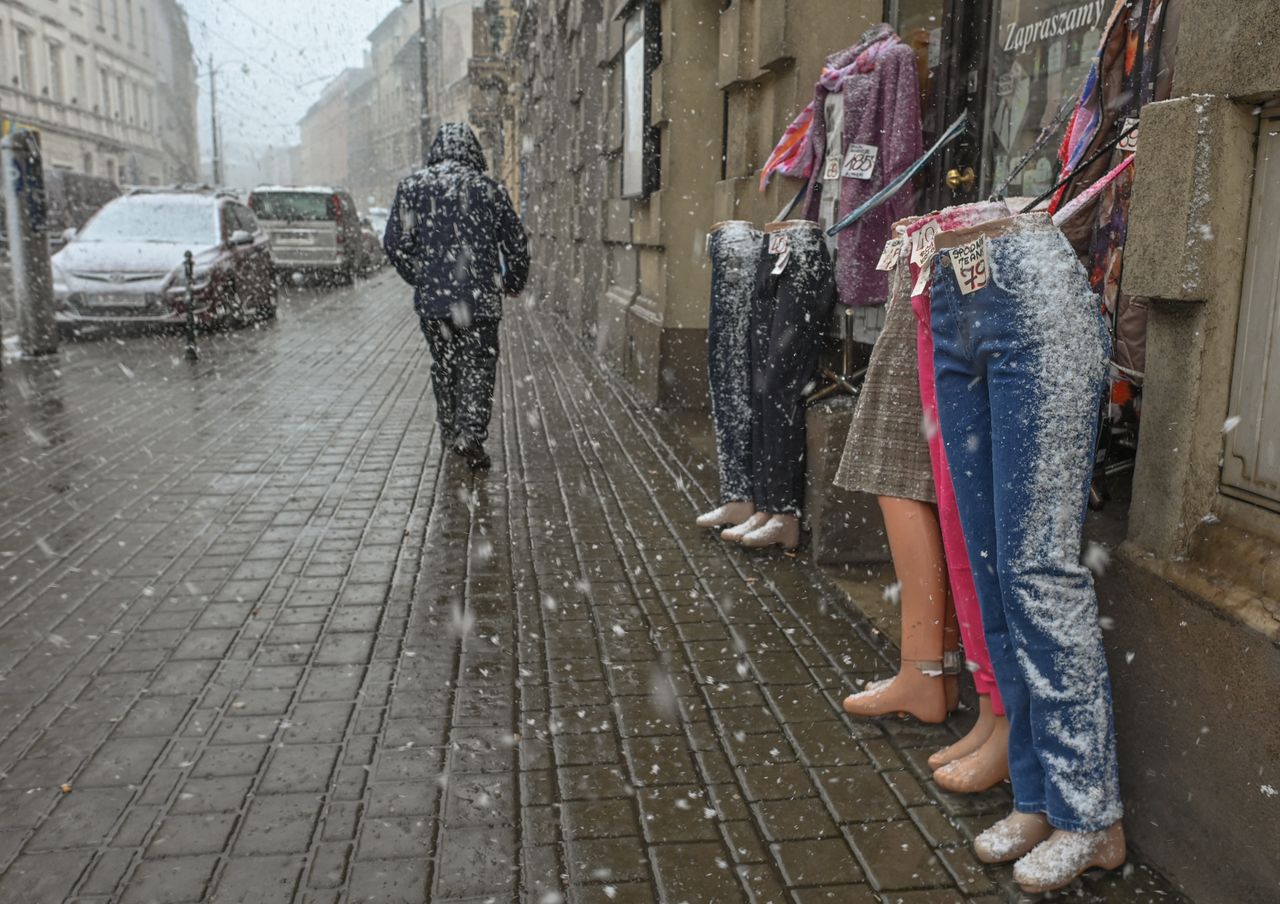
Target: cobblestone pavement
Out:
[279,653]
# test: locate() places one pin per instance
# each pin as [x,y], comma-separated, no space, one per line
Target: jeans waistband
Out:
[1021,224]
[962,216]
[734,226]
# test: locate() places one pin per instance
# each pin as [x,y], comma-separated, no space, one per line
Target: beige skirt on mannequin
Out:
[887,453]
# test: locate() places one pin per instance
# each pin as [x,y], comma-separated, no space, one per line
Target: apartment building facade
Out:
[110,84]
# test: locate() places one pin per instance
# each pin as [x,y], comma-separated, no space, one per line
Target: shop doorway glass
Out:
[1038,55]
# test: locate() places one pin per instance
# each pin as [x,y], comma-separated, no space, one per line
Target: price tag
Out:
[889,257]
[860,162]
[1129,144]
[780,245]
[971,264]
[922,278]
[831,170]
[922,244]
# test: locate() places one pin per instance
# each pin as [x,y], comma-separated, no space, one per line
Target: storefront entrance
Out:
[1016,66]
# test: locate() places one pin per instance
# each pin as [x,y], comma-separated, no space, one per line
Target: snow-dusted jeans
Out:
[464,371]
[1021,366]
[795,291]
[735,253]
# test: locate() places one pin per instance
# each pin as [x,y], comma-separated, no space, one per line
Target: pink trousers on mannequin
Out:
[963,593]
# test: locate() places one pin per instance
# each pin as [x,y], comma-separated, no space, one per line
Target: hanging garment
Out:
[882,136]
[735,255]
[1020,361]
[795,291]
[794,155]
[886,453]
[964,593]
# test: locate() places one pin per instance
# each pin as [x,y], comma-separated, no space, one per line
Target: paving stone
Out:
[858,794]
[47,877]
[173,880]
[199,834]
[388,882]
[476,862]
[278,824]
[896,856]
[606,860]
[695,872]
[82,819]
[785,820]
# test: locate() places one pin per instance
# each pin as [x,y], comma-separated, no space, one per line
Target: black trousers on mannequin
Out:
[464,371]
[788,322]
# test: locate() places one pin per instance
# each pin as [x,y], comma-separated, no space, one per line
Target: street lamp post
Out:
[424,75]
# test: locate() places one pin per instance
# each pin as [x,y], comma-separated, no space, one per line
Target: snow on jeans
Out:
[1020,367]
[735,253]
[795,291]
[964,593]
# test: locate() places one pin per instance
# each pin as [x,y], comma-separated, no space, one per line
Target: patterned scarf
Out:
[794,154]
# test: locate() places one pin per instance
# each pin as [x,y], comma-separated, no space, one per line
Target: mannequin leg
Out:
[985,767]
[919,688]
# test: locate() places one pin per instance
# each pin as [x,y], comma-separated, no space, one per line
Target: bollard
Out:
[27,220]
[193,351]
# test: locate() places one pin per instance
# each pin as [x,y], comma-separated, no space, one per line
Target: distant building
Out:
[326,132]
[365,131]
[494,84]
[110,86]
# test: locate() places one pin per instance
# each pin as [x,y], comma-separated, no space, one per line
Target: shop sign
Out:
[1083,17]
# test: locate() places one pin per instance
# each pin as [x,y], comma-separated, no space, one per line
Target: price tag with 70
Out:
[971,264]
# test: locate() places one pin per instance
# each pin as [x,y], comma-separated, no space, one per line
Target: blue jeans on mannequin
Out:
[1021,366]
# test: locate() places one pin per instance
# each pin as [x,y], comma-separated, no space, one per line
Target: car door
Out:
[253,264]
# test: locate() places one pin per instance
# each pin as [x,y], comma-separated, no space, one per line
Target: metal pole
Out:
[424,76]
[213,117]
[189,264]
[27,220]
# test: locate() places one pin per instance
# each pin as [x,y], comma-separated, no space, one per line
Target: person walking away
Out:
[454,236]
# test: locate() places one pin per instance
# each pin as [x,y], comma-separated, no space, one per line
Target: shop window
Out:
[1251,465]
[641,55]
[1040,53]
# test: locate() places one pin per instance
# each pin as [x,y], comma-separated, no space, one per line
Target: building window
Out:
[57,83]
[102,15]
[641,55]
[104,90]
[115,18]
[137,105]
[82,82]
[128,25]
[25,79]
[146,30]
[120,98]
[88,164]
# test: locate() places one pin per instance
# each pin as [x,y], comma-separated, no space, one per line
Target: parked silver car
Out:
[127,265]
[312,230]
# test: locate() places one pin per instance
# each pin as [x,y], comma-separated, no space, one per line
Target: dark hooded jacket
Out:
[454,236]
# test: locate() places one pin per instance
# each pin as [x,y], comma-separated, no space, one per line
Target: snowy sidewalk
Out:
[279,654]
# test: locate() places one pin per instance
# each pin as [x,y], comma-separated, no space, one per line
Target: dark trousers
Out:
[735,256]
[788,320]
[464,370]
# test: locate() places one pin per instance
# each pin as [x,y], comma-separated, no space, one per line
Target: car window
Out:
[243,218]
[155,219]
[291,205]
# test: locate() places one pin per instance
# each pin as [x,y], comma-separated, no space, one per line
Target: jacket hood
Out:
[456,141]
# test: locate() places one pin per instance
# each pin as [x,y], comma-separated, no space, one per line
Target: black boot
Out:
[472,450]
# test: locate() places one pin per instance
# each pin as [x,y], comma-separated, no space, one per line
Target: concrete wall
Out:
[1196,644]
